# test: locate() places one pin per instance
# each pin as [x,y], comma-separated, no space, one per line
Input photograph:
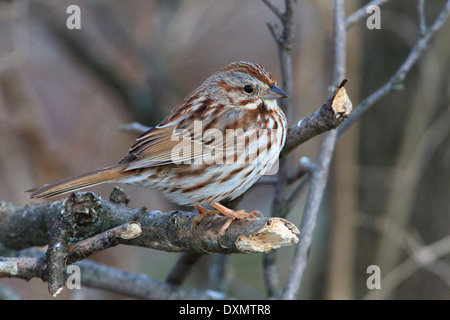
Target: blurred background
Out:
[65,93]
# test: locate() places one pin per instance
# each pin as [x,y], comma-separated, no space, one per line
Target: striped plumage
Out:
[241,96]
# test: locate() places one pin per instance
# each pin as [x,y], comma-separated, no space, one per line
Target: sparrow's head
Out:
[244,84]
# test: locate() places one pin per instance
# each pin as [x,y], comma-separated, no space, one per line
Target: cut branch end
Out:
[275,233]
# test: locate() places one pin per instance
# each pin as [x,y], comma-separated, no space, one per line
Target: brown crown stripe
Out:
[253,69]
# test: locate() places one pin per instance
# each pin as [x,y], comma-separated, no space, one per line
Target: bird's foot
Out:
[231,216]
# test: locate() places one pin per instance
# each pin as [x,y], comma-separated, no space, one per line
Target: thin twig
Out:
[318,182]
[294,194]
[302,169]
[418,253]
[279,203]
[271,278]
[421,258]
[397,79]
[274,8]
[361,13]
[139,285]
[422,19]
[319,176]
[99,242]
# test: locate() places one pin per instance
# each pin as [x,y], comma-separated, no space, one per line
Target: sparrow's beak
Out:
[274,93]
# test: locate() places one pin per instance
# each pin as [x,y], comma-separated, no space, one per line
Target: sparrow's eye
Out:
[248,88]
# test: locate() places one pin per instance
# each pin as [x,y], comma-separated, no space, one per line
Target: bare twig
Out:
[284,41]
[274,8]
[303,171]
[361,13]
[319,176]
[318,182]
[110,238]
[271,278]
[397,79]
[218,272]
[279,202]
[139,285]
[422,19]
[298,173]
[421,258]
[298,188]
[420,255]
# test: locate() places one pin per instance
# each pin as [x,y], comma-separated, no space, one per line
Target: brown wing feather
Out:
[156,148]
[72,184]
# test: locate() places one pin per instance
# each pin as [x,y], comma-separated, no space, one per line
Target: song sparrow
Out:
[193,166]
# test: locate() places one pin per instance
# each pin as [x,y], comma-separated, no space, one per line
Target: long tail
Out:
[90,179]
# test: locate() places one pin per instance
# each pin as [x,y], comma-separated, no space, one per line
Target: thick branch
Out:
[23,227]
[61,232]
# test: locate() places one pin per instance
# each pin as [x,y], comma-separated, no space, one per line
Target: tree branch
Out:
[100,276]
[139,285]
[329,116]
[107,239]
[319,176]
[273,8]
[23,227]
[58,243]
[84,223]
[279,202]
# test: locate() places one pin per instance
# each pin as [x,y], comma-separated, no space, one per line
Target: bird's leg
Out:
[232,215]
[202,212]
